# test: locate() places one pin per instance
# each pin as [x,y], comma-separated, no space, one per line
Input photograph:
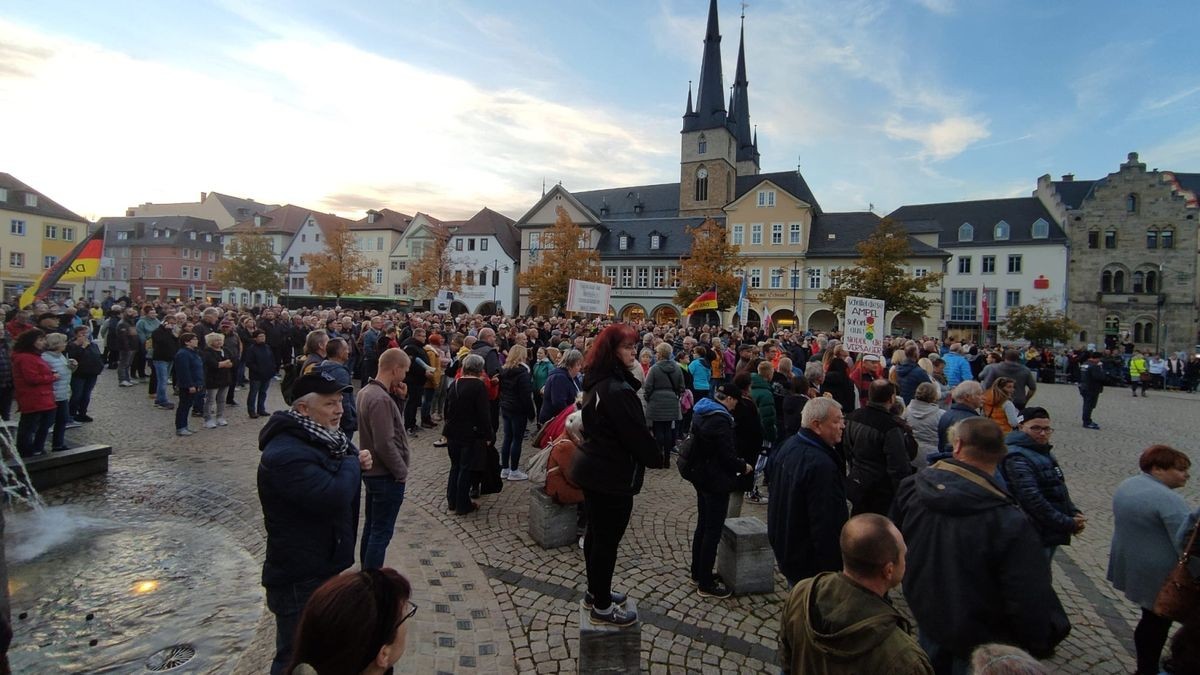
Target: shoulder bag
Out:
[1179,597]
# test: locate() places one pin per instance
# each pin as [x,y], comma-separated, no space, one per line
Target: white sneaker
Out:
[517,474]
[210,424]
[504,473]
[222,422]
[126,383]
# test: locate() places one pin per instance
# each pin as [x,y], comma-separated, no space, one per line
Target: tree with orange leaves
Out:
[341,269]
[566,253]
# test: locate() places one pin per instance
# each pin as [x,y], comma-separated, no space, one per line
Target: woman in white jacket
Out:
[922,414]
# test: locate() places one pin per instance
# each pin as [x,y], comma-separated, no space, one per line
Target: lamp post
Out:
[495,273]
[1160,298]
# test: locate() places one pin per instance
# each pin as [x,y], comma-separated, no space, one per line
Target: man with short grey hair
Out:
[808,495]
[968,398]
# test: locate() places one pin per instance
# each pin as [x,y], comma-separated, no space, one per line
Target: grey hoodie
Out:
[923,418]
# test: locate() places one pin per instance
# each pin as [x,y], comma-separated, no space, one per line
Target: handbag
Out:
[1179,597]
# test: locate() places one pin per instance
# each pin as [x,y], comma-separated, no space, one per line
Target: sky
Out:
[449,106]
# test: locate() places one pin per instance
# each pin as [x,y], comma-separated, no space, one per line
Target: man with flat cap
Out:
[308,485]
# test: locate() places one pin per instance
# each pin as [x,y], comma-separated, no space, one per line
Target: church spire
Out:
[710,93]
[690,112]
[740,122]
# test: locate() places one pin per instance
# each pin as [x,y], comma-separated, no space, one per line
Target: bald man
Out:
[381,429]
[842,622]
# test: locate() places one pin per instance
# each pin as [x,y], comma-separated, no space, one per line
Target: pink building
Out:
[161,257]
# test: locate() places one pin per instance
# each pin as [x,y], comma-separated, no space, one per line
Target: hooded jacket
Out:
[617,446]
[976,569]
[715,451]
[516,392]
[1026,382]
[1036,480]
[879,453]
[909,376]
[923,418]
[764,400]
[309,502]
[833,626]
[662,388]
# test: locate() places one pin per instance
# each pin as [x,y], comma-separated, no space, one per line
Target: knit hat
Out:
[1032,413]
[728,389]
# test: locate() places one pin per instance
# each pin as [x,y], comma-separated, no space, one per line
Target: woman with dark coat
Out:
[837,383]
[748,437]
[612,463]
[468,430]
[717,470]
[516,410]
[34,391]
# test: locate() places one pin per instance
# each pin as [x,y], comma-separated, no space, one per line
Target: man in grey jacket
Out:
[381,431]
[1011,368]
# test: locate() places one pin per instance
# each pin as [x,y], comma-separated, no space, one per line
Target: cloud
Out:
[938,6]
[942,139]
[1168,101]
[302,118]
[1179,152]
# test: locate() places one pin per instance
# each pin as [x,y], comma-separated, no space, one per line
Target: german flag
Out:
[83,262]
[706,300]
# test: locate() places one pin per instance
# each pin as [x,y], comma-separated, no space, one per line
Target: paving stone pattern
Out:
[491,600]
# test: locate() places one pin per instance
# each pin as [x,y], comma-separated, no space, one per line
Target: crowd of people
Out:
[926,467]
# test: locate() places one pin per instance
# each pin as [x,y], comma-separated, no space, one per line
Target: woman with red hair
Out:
[612,461]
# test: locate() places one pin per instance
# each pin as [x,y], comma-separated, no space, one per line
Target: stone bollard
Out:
[604,648]
[744,557]
[551,525]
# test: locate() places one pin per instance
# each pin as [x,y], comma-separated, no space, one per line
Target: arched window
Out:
[1139,282]
[1112,324]
[1041,229]
[1143,331]
[1131,203]
[702,184]
[1106,285]
[702,145]
[1166,238]
[1083,336]
[1151,238]
[966,232]
[1001,232]
[1151,281]
[1119,281]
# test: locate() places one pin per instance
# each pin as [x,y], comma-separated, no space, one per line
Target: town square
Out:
[469,338]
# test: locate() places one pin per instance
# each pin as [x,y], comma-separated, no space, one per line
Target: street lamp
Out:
[794,282]
[1160,298]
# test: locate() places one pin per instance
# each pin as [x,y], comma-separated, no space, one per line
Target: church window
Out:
[702,184]
[1002,231]
[1041,229]
[1151,238]
[966,232]
[702,146]
[738,234]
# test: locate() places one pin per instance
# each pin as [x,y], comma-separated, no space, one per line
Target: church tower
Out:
[710,147]
[739,114]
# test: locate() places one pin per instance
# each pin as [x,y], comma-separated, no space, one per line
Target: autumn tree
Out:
[713,261]
[341,269]
[1038,323]
[434,269]
[250,263]
[880,273]
[565,254]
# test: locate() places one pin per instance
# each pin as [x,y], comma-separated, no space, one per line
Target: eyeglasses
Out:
[1048,430]
[412,609]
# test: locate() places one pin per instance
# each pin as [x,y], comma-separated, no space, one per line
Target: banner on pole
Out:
[441,303]
[864,326]
[588,297]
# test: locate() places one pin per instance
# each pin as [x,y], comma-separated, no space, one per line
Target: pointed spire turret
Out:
[690,112]
[739,123]
[710,93]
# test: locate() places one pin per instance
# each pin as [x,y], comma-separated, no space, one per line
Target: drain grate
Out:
[170,658]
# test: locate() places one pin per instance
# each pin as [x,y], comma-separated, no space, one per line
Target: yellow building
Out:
[37,231]
[377,235]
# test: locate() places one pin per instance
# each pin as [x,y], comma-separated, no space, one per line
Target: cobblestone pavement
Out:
[492,601]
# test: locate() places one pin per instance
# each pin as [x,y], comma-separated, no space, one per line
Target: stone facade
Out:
[1133,258]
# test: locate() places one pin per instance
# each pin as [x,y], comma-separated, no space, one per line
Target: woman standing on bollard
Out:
[611,464]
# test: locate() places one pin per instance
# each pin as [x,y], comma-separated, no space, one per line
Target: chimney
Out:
[129,213]
[203,196]
[1068,177]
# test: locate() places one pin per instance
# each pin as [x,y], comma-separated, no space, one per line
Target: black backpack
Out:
[686,462]
[291,372]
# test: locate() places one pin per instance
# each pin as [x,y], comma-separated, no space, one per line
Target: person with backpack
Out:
[713,470]
[663,386]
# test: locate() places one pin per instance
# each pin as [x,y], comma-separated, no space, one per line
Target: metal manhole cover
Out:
[170,658]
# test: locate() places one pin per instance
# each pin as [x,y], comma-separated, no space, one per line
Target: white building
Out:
[1011,249]
[486,254]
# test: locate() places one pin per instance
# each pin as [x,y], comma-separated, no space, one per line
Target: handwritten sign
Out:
[864,325]
[588,297]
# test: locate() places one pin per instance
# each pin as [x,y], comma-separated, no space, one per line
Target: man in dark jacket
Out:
[337,356]
[308,485]
[1012,369]
[418,371]
[808,494]
[165,341]
[1092,379]
[1036,480]
[716,468]
[968,397]
[83,379]
[261,367]
[878,450]
[977,572]
[485,347]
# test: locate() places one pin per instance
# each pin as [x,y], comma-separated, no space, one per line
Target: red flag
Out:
[984,304]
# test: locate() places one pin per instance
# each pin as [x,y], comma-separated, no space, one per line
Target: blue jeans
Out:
[514,436]
[256,399]
[384,497]
[286,603]
[61,416]
[32,430]
[162,373]
[81,393]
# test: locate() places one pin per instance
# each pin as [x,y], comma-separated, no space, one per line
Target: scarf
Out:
[334,442]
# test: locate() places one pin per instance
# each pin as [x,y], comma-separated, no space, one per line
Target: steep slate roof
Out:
[45,206]
[387,220]
[983,214]
[1073,192]
[710,93]
[180,226]
[233,205]
[791,181]
[489,222]
[658,201]
[849,229]
[329,222]
[286,219]
[676,241]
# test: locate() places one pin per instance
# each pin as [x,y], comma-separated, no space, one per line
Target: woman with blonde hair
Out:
[998,405]
[516,409]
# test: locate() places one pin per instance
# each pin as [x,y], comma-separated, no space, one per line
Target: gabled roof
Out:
[385,219]
[791,181]
[556,191]
[286,219]
[657,201]
[241,208]
[1073,192]
[179,226]
[983,214]
[676,242]
[488,222]
[848,229]
[329,222]
[45,206]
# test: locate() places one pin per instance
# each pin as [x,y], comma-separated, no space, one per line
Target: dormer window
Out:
[372,216]
[208,237]
[702,146]
[192,236]
[623,242]
[156,233]
[966,232]
[655,242]
[123,235]
[1041,229]
[3,194]
[30,199]
[1001,232]
[258,220]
